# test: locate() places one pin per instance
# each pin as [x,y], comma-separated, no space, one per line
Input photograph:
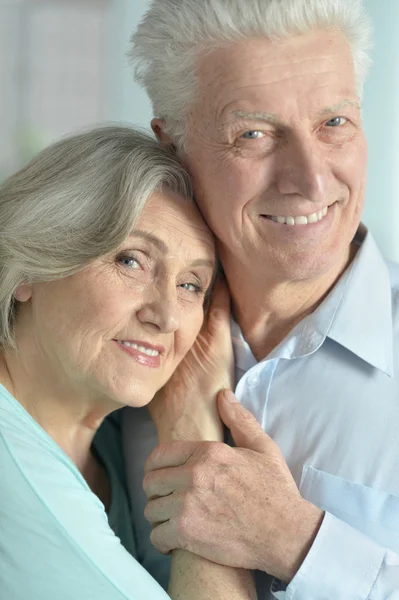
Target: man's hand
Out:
[235,506]
[185,408]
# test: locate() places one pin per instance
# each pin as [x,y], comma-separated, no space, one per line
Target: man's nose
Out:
[161,310]
[302,169]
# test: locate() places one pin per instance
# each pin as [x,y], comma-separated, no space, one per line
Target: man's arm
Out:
[254,517]
[344,564]
[237,506]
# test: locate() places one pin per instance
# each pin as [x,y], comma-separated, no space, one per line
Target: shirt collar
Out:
[243,357]
[362,322]
[357,314]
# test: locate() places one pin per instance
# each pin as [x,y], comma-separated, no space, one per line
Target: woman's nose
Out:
[161,311]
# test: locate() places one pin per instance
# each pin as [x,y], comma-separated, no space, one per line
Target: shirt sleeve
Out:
[343,564]
[55,540]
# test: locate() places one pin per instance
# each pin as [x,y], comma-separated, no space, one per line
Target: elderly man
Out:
[261,99]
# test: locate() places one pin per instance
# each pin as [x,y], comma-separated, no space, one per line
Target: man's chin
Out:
[311,264]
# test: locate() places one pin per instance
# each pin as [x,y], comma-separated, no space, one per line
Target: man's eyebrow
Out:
[256,116]
[162,247]
[335,108]
[274,119]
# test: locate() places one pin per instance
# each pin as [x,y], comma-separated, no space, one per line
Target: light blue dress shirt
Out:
[329,396]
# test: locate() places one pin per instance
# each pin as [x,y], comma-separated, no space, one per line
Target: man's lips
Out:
[300,219]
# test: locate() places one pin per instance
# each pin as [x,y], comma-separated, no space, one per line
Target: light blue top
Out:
[329,396]
[55,539]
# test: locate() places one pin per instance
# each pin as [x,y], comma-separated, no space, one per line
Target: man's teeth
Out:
[139,348]
[314,218]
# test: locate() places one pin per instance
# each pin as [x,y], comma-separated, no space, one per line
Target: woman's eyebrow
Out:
[203,262]
[160,244]
[149,237]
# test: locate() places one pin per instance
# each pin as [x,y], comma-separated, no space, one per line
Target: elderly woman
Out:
[105,264]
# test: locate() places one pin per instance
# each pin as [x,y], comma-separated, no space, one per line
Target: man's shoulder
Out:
[393,271]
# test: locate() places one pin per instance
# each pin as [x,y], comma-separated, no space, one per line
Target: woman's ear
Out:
[158,127]
[23,293]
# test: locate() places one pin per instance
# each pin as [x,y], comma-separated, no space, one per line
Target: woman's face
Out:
[119,328]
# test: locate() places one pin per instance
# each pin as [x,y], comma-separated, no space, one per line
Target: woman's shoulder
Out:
[28,449]
[55,536]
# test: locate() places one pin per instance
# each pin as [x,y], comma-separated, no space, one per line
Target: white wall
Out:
[381,112]
[129,102]
[381,118]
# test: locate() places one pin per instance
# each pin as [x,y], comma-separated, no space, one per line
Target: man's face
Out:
[274,138]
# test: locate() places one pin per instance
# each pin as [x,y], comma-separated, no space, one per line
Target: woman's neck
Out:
[69,417]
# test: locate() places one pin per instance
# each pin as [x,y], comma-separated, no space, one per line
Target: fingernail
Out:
[230,397]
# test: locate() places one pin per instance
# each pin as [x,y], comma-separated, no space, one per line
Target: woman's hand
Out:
[185,408]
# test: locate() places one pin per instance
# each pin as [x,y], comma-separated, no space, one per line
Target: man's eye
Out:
[336,122]
[253,135]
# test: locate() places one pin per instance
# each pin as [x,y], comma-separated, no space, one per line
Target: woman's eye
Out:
[336,122]
[253,135]
[129,262]
[191,287]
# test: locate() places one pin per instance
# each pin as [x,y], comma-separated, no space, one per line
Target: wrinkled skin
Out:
[199,495]
[185,408]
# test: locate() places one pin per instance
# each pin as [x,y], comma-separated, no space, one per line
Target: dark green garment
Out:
[107,445]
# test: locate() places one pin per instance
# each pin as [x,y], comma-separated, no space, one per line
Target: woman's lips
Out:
[146,355]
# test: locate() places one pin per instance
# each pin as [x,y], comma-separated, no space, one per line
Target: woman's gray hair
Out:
[76,201]
[173,33]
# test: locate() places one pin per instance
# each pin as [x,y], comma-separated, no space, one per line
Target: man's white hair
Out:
[173,33]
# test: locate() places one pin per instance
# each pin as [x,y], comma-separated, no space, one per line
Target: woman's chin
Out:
[139,396]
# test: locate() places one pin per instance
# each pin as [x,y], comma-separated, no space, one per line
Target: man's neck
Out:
[267,309]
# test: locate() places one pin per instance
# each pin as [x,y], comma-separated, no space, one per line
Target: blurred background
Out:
[63,67]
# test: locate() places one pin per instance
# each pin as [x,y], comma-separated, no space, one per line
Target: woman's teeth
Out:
[314,218]
[142,349]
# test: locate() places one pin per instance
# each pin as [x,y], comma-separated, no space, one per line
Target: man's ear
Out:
[23,293]
[158,127]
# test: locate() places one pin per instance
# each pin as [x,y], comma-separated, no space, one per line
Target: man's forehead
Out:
[260,60]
